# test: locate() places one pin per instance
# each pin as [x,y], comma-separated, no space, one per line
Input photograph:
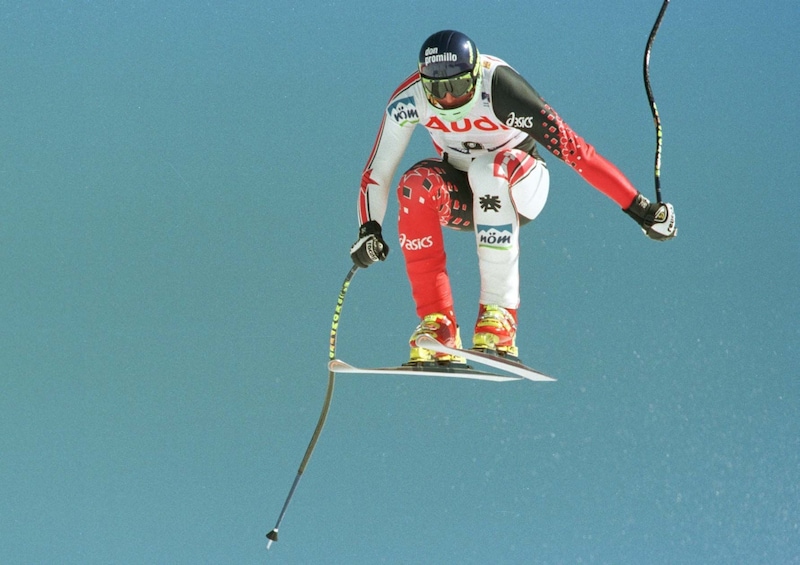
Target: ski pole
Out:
[273,535]
[651,99]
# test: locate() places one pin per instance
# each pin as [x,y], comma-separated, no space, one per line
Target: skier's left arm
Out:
[516,103]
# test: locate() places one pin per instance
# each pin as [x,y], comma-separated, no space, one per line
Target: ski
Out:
[490,360]
[455,370]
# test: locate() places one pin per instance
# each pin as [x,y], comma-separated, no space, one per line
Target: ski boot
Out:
[496,330]
[444,330]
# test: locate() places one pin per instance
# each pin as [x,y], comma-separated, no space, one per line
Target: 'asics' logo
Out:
[519,122]
[415,244]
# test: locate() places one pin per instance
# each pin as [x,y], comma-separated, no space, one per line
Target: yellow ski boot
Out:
[441,328]
[496,330]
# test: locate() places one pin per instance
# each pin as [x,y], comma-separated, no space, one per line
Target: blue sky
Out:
[178,187]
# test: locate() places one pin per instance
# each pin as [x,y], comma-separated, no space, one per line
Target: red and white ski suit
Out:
[488,178]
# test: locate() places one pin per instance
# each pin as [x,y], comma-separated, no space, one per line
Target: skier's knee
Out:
[421,183]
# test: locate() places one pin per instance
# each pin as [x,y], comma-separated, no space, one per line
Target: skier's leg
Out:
[429,197]
[510,188]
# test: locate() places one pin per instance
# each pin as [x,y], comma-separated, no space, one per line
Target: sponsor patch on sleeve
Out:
[403,111]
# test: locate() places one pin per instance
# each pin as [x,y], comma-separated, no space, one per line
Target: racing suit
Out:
[488,178]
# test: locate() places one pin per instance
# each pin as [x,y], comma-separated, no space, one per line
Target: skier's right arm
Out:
[390,145]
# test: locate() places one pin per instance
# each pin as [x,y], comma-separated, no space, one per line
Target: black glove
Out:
[657,219]
[370,246]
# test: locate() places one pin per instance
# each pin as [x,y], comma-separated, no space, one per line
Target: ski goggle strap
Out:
[458,85]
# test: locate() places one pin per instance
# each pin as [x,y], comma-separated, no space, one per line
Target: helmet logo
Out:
[432,55]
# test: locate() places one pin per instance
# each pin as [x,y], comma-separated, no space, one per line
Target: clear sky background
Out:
[177,195]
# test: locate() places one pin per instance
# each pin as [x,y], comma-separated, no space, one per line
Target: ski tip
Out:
[425,339]
[339,366]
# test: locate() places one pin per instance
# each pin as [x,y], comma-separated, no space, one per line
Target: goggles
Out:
[458,85]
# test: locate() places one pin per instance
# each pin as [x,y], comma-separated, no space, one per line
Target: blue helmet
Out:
[446,54]
[449,63]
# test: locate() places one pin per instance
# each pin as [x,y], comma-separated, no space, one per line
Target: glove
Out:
[656,219]
[370,246]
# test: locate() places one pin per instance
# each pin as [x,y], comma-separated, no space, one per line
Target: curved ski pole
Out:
[651,99]
[273,535]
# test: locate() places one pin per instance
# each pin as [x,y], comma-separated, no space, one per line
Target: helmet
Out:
[450,71]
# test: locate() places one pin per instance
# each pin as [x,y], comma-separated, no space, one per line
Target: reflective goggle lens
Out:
[457,85]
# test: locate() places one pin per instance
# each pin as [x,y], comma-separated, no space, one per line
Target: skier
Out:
[485,122]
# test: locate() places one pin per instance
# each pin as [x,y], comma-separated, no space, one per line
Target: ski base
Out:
[493,360]
[454,370]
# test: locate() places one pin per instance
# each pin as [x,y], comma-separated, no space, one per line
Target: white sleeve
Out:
[399,120]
